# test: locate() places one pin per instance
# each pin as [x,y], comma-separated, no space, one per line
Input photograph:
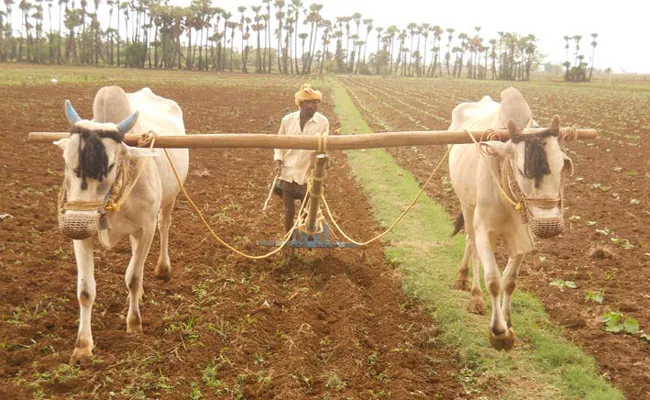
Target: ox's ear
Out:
[62,143]
[133,153]
[568,165]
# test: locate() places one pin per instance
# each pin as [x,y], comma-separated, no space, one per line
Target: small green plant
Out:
[211,378]
[332,381]
[201,290]
[563,284]
[616,322]
[195,394]
[595,296]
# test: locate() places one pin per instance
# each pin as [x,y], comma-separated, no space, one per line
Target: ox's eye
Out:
[110,167]
[520,171]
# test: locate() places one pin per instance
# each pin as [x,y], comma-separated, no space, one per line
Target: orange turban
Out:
[307,93]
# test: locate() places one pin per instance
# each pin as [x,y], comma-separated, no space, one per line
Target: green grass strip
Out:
[543,365]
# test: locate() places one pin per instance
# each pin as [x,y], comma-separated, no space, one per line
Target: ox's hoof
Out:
[163,272]
[462,284]
[82,357]
[134,325]
[476,305]
[504,341]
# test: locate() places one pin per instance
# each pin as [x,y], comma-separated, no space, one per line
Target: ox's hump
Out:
[515,107]
[157,113]
[111,104]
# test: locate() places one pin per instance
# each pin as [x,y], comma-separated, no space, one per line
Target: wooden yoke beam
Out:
[338,142]
[316,193]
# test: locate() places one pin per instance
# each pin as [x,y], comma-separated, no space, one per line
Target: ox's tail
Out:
[458,224]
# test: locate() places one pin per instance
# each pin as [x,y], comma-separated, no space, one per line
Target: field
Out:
[324,324]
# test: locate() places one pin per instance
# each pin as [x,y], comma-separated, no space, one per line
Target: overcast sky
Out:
[621,24]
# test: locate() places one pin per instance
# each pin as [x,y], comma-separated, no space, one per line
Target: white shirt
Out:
[296,163]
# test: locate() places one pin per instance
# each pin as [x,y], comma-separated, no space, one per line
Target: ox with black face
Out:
[96,159]
[506,190]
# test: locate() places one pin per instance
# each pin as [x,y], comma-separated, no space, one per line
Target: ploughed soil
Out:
[605,249]
[322,324]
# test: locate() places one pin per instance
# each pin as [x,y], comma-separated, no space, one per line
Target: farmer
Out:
[292,166]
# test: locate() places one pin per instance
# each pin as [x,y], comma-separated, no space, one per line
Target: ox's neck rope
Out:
[508,180]
[483,151]
[515,195]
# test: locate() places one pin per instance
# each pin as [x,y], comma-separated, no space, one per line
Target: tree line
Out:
[576,71]
[272,37]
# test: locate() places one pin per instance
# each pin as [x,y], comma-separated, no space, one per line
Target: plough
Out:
[315,232]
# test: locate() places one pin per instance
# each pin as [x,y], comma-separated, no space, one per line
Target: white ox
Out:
[95,157]
[529,169]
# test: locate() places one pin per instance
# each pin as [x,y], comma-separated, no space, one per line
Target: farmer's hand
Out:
[278,167]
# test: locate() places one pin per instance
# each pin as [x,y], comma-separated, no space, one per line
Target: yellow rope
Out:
[285,240]
[518,206]
[148,138]
[322,143]
[381,235]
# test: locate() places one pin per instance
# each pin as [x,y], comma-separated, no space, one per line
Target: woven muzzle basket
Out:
[76,225]
[546,227]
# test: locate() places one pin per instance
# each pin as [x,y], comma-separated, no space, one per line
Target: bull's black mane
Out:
[535,160]
[93,160]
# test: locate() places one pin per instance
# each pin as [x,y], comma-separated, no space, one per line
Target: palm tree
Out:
[461,49]
[24,7]
[378,29]
[296,6]
[242,10]
[327,24]
[390,33]
[356,17]
[493,56]
[368,22]
[10,41]
[412,28]
[279,15]
[577,39]
[593,50]
[267,38]
[315,19]
[437,37]
[256,28]
[450,31]
[232,25]
[226,16]
[38,18]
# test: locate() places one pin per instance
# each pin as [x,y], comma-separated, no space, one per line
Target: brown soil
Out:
[612,174]
[323,325]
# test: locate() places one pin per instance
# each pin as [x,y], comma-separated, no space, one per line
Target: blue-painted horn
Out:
[126,125]
[70,112]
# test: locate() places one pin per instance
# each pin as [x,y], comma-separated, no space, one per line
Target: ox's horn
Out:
[126,125]
[555,124]
[70,112]
[514,130]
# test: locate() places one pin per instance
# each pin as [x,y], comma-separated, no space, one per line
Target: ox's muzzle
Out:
[546,227]
[551,221]
[79,220]
[79,225]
